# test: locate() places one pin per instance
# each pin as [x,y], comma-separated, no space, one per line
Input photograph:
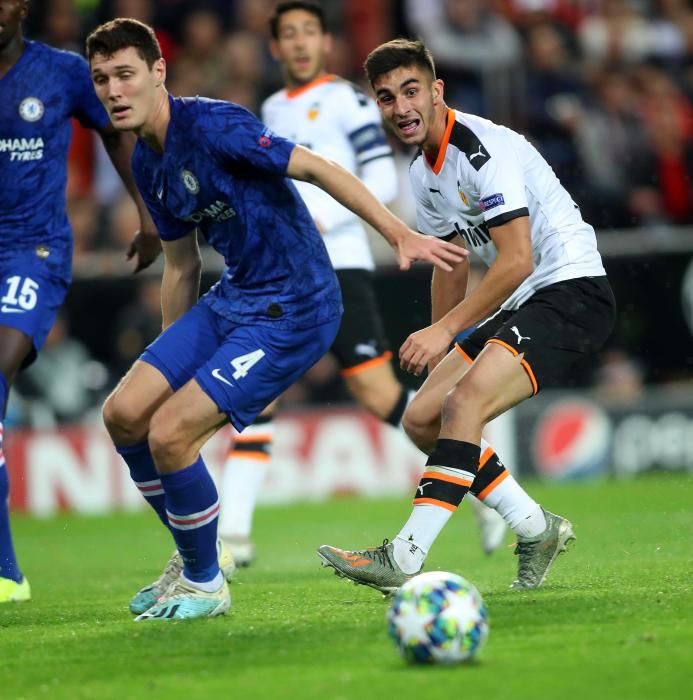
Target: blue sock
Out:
[143,472]
[192,506]
[8,561]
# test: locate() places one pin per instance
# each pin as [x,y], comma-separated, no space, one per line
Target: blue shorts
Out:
[241,368]
[32,289]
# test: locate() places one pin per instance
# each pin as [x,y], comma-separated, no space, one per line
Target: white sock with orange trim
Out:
[522,513]
[243,477]
[426,521]
[449,473]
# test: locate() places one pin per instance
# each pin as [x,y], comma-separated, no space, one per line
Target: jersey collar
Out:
[438,165]
[295,92]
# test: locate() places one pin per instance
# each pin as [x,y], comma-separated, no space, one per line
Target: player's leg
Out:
[378,390]
[363,352]
[250,369]
[165,366]
[14,347]
[244,474]
[126,414]
[422,420]
[32,288]
[449,473]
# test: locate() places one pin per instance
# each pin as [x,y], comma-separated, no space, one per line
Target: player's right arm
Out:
[448,289]
[180,286]
[235,136]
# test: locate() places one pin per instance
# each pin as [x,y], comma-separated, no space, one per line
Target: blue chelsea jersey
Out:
[223,172]
[38,96]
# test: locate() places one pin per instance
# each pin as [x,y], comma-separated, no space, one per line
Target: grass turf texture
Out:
[613,620]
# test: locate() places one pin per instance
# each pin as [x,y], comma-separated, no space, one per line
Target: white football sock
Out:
[206,586]
[522,513]
[418,534]
[242,481]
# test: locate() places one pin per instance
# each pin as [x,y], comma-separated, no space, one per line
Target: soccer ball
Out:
[438,617]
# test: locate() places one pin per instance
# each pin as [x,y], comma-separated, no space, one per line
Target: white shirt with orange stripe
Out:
[486,175]
[337,120]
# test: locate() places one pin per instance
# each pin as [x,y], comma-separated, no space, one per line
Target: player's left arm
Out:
[513,264]
[180,284]
[145,245]
[350,192]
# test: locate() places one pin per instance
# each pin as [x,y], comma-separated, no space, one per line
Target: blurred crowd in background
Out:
[604,88]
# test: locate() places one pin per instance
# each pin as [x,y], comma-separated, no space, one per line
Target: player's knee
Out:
[371,399]
[165,437]
[466,399]
[121,421]
[421,428]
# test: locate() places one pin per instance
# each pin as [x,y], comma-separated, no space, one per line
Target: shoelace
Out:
[525,550]
[173,568]
[380,554]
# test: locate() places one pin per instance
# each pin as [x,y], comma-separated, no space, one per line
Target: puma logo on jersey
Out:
[520,337]
[479,153]
[478,159]
[421,487]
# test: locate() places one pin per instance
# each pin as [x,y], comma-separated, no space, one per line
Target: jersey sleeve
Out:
[85,104]
[239,139]
[360,120]
[428,221]
[500,181]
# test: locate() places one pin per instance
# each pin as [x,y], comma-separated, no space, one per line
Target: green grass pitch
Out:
[614,620]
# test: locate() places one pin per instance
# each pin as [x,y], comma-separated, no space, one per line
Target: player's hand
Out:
[415,246]
[423,347]
[145,247]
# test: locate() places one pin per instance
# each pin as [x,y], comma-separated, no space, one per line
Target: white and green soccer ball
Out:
[438,617]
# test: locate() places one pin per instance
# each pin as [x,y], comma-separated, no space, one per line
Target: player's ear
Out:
[327,43]
[274,49]
[160,71]
[438,91]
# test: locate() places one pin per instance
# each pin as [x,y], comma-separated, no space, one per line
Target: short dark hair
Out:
[397,53]
[122,33]
[282,8]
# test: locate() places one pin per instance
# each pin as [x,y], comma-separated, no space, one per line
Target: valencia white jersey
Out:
[486,175]
[337,120]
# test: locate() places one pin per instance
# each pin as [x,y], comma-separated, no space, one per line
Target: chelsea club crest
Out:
[31,109]
[190,181]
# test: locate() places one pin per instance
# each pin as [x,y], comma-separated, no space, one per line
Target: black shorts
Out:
[553,329]
[361,341]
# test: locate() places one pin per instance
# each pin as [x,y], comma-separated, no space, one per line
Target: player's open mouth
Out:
[302,62]
[408,126]
[120,111]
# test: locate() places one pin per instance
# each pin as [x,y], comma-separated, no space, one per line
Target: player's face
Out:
[12,12]
[407,98]
[130,91]
[301,46]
